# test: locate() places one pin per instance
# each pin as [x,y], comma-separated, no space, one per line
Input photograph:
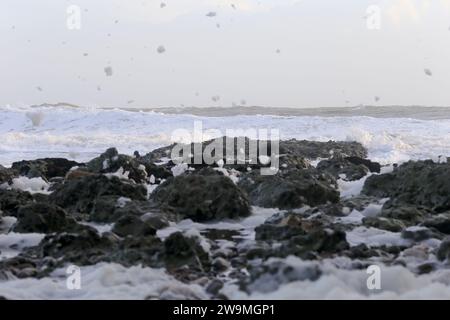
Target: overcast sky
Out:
[287,53]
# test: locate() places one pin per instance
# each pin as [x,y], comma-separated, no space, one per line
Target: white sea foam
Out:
[104,281]
[12,244]
[32,185]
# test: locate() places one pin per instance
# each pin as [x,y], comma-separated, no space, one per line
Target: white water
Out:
[82,133]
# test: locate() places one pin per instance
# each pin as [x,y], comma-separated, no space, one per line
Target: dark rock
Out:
[19,266]
[426,267]
[409,215]
[361,251]
[292,152]
[111,161]
[201,198]
[439,222]
[359,203]
[419,234]
[290,189]
[6,175]
[221,234]
[156,220]
[84,248]
[315,149]
[219,264]
[421,183]
[181,251]
[301,236]
[130,225]
[214,287]
[270,276]
[443,252]
[46,168]
[95,195]
[11,200]
[352,168]
[383,223]
[43,218]
[372,166]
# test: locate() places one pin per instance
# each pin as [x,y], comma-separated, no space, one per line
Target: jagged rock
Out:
[421,183]
[11,200]
[270,276]
[83,248]
[95,196]
[315,149]
[180,251]
[111,161]
[44,218]
[46,168]
[409,215]
[137,168]
[353,168]
[443,252]
[301,236]
[383,223]
[290,189]
[419,234]
[292,153]
[221,234]
[361,251]
[130,225]
[201,198]
[6,175]
[439,222]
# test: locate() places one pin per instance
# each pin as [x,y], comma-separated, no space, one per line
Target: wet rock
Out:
[214,287]
[20,267]
[83,248]
[147,250]
[426,267]
[46,168]
[439,222]
[95,196]
[315,149]
[419,234]
[180,251]
[290,189]
[78,173]
[421,183]
[201,198]
[156,220]
[301,236]
[358,203]
[6,175]
[389,224]
[221,234]
[409,215]
[11,200]
[270,276]
[130,225]
[219,264]
[111,162]
[328,210]
[243,154]
[361,251]
[43,218]
[443,252]
[352,168]
[372,166]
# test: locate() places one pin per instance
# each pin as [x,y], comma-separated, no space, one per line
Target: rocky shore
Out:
[222,225]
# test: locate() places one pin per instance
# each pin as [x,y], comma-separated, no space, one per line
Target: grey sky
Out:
[307,53]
